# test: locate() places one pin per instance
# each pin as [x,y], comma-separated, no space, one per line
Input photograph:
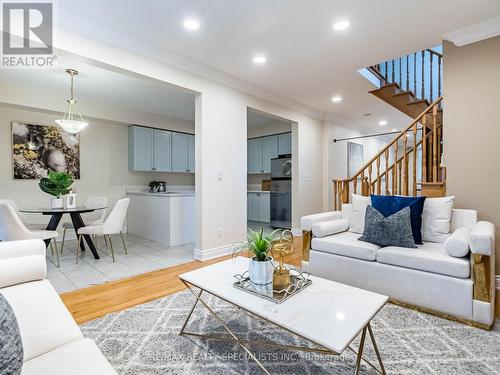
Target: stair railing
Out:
[390,174]
[419,72]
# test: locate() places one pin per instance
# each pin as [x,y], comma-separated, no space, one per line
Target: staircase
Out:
[410,164]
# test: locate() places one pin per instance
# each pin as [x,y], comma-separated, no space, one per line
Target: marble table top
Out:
[327,313]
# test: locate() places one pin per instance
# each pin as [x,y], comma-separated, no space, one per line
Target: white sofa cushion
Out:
[328,228]
[457,245]
[436,218]
[81,357]
[357,220]
[44,321]
[430,257]
[346,244]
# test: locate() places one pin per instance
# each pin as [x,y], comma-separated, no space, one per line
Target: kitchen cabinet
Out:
[269,151]
[182,152]
[259,207]
[254,155]
[162,151]
[284,143]
[261,150]
[140,146]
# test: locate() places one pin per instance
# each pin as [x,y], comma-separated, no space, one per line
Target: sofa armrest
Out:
[307,222]
[482,238]
[21,262]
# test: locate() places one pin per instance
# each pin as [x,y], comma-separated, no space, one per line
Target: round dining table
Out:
[76,219]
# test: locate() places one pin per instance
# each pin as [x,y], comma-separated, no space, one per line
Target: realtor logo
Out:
[27,35]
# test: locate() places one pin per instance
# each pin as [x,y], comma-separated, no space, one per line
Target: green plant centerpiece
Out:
[56,184]
[259,246]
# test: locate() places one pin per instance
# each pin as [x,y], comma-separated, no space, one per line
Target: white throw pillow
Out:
[436,218]
[457,245]
[327,228]
[359,204]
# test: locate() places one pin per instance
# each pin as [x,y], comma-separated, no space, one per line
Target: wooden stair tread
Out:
[404,93]
[419,101]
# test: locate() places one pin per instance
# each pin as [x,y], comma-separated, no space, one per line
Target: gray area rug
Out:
[145,340]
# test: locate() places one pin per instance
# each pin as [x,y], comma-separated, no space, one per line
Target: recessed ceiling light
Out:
[337,99]
[382,122]
[395,130]
[191,24]
[341,25]
[259,59]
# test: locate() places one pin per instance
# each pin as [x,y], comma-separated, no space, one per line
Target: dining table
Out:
[76,218]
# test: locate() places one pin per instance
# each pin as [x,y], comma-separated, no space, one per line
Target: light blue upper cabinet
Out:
[191,164]
[269,151]
[162,141]
[180,152]
[284,143]
[254,155]
[140,148]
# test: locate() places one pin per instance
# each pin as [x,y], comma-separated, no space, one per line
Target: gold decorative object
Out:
[281,275]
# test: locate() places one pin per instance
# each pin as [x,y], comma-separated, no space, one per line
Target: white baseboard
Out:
[204,255]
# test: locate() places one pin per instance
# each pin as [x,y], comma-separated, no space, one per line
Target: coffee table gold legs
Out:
[242,342]
[235,338]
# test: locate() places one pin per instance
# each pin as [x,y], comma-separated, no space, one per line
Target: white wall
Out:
[336,153]
[220,145]
[103,162]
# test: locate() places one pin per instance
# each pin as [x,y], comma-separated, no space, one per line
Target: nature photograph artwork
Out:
[38,149]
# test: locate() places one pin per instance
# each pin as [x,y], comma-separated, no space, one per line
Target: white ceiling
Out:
[94,84]
[307,61]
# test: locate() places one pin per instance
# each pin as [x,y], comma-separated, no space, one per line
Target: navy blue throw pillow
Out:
[390,204]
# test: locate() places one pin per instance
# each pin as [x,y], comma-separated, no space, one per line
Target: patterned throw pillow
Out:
[11,346]
[394,230]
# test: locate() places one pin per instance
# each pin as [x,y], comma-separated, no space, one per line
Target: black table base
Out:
[77,220]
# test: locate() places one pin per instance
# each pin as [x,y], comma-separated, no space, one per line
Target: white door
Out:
[265,208]
[269,151]
[179,152]
[162,141]
[253,207]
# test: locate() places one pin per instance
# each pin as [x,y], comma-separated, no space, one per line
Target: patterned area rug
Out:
[145,340]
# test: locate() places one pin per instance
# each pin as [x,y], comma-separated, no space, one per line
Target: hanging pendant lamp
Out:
[72,122]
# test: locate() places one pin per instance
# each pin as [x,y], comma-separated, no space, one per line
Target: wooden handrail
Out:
[400,159]
[434,52]
[396,139]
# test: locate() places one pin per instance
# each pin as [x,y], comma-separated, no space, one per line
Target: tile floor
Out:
[143,256]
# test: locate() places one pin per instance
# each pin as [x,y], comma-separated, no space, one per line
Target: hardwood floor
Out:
[96,301]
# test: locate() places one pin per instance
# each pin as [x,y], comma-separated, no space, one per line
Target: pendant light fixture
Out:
[72,122]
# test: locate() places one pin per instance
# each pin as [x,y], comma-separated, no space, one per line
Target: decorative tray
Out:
[298,281]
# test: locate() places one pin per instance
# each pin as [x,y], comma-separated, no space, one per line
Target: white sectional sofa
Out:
[52,342]
[425,277]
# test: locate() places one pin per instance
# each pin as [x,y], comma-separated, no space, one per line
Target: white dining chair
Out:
[13,229]
[112,225]
[90,218]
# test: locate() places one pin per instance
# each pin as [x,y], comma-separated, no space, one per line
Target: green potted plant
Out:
[259,246]
[56,184]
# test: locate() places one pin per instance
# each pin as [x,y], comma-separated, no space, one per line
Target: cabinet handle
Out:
[153,169]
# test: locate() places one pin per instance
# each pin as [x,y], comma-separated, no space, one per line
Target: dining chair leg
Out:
[105,241]
[52,247]
[57,252]
[64,236]
[78,246]
[111,246]
[123,241]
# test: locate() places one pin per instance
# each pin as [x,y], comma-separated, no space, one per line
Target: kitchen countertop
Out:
[167,194]
[259,191]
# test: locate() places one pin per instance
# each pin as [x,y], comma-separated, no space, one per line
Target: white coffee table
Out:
[329,314]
